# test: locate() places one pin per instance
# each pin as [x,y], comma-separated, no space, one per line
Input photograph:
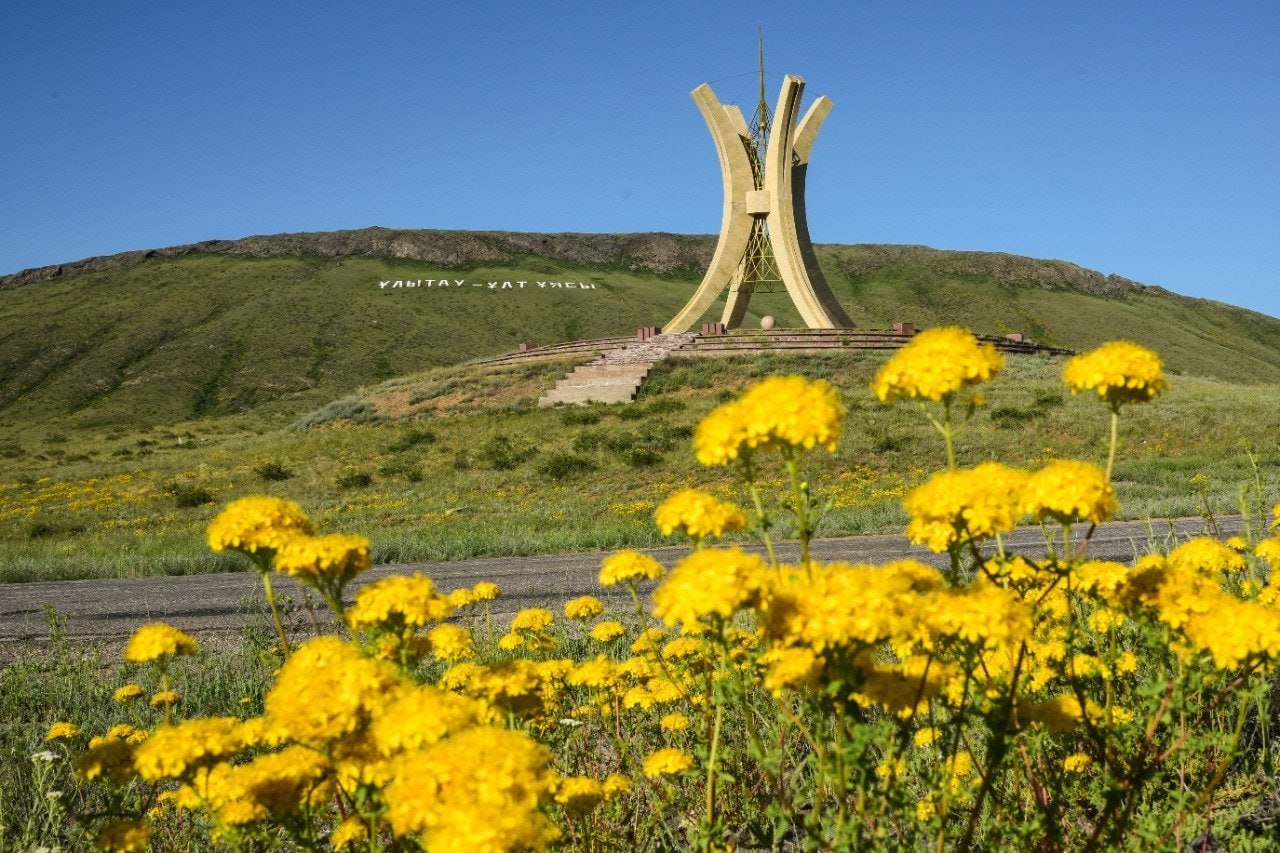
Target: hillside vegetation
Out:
[287,323]
[457,462]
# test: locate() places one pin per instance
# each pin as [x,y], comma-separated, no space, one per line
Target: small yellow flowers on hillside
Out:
[1119,372]
[783,410]
[936,364]
[1067,491]
[157,641]
[127,693]
[698,515]
[258,525]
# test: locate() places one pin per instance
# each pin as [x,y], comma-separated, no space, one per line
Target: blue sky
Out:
[1137,138]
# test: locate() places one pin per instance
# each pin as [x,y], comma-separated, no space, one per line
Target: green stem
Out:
[275,613]
[762,517]
[1115,432]
[800,500]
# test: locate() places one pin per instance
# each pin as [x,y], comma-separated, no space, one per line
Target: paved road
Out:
[204,604]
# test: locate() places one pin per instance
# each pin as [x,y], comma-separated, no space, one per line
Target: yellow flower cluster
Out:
[396,603]
[257,524]
[1119,372]
[1067,491]
[936,364]
[698,515]
[156,641]
[667,762]
[782,410]
[332,559]
[629,567]
[707,584]
[969,504]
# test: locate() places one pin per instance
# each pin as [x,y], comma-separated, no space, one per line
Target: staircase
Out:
[616,375]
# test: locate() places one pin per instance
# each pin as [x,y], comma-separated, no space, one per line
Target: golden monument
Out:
[764,235]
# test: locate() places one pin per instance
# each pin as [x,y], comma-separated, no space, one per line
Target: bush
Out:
[561,466]
[500,453]
[272,472]
[187,495]
[411,439]
[355,480]
[580,415]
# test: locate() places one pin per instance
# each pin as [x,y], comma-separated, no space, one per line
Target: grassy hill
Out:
[480,471]
[280,325]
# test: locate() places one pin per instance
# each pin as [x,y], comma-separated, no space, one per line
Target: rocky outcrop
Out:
[662,254]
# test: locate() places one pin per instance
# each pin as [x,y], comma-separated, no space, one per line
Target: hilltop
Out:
[283,324]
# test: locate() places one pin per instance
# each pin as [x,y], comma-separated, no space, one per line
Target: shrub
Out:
[410,439]
[188,495]
[355,480]
[581,415]
[272,472]
[561,466]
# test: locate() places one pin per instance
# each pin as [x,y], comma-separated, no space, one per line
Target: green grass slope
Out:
[457,462]
[284,324]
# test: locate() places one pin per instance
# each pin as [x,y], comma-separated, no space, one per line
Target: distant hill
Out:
[289,322]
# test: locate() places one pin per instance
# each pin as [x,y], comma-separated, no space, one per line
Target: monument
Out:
[764,233]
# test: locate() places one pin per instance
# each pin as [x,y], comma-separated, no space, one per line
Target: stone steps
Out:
[617,375]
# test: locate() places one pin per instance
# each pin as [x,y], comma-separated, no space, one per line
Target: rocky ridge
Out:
[656,253]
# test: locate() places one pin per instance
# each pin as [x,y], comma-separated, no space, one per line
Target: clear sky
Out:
[1137,138]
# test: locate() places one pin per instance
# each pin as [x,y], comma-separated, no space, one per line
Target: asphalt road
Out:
[227,603]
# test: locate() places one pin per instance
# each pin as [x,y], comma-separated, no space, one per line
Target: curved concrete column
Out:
[729,132]
[786,211]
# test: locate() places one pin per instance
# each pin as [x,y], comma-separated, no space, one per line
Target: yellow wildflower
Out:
[479,790]
[257,524]
[485,591]
[969,504]
[926,736]
[164,698]
[112,759]
[709,583]
[936,364]
[158,640]
[1206,554]
[1119,371]
[172,751]
[697,515]
[350,832]
[127,693]
[674,722]
[398,602]
[781,410]
[532,619]
[628,567]
[334,559]
[62,731]
[1067,491]
[585,607]
[579,794]
[666,762]
[1076,763]
[124,836]
[450,642]
[606,632]
[326,691]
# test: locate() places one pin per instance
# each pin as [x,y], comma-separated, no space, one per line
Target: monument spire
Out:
[764,232]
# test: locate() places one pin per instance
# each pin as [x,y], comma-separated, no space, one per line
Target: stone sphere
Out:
[767,322]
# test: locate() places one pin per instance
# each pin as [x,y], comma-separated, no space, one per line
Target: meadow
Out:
[1052,703]
[458,462]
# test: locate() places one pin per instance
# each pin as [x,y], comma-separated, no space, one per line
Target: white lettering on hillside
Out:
[457,283]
